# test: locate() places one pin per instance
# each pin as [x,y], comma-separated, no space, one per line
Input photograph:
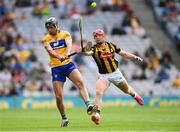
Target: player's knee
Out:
[59,96]
[99,92]
[80,83]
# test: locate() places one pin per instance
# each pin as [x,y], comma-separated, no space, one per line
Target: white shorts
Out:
[115,77]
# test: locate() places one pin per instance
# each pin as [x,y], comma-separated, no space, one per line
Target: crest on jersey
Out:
[58,44]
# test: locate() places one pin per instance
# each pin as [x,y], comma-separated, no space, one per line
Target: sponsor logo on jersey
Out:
[58,44]
[106,55]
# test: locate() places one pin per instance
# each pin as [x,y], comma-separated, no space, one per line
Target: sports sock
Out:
[133,95]
[87,103]
[64,117]
[98,111]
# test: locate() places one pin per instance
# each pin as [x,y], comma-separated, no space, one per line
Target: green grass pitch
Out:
[113,119]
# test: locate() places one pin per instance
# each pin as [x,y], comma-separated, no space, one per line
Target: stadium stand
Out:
[24,64]
[167,14]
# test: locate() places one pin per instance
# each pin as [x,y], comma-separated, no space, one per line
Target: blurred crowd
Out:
[22,74]
[167,13]
[20,70]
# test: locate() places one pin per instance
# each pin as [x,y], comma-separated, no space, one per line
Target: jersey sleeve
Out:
[44,40]
[67,36]
[117,49]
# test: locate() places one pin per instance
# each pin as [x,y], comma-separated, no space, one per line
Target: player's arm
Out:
[52,52]
[87,53]
[80,51]
[69,45]
[68,41]
[126,54]
[88,50]
[129,55]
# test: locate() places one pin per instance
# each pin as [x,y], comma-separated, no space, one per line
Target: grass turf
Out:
[113,119]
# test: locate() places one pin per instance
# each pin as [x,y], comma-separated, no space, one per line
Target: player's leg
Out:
[101,86]
[58,90]
[126,88]
[75,76]
[58,78]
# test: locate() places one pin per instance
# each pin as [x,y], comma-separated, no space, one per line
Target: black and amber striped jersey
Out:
[104,57]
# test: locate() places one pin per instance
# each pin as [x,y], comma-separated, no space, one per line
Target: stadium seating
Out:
[167,14]
[32,28]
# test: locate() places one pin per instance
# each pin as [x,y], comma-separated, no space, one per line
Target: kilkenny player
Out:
[103,53]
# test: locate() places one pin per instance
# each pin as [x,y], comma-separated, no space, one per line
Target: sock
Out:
[98,111]
[133,95]
[64,117]
[87,103]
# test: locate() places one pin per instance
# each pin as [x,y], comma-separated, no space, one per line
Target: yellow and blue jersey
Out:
[58,44]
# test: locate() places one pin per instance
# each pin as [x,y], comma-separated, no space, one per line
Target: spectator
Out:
[117,30]
[23,3]
[44,87]
[124,6]
[154,62]
[4,42]
[136,28]
[3,61]
[162,3]
[32,57]
[73,11]
[32,86]
[19,75]
[168,11]
[36,9]
[45,10]
[4,90]
[176,82]
[65,7]
[2,8]
[126,22]
[13,91]
[162,75]
[177,39]
[39,73]
[106,5]
[166,59]
[5,77]
[150,51]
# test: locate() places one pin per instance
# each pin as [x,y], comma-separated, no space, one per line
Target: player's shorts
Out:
[115,77]
[61,72]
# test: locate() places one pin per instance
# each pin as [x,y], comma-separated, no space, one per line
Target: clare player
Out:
[58,44]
